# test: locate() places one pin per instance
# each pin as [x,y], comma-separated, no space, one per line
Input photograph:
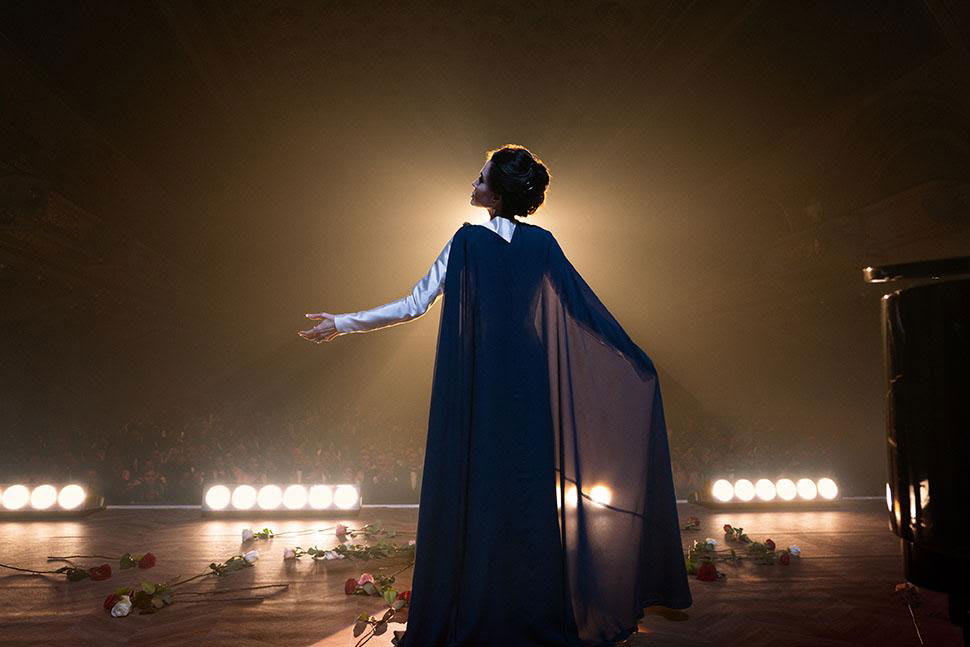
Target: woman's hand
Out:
[323,331]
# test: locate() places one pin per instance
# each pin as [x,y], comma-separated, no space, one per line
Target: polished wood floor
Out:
[839,593]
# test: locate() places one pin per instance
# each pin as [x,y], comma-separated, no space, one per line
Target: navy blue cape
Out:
[547,512]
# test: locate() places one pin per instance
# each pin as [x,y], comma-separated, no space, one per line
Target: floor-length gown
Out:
[547,512]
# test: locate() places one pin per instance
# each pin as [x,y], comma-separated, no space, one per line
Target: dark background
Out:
[181,181]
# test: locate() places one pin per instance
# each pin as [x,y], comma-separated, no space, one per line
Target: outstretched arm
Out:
[422,296]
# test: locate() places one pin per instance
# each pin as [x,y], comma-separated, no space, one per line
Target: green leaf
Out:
[389,595]
[359,627]
[397,604]
[370,588]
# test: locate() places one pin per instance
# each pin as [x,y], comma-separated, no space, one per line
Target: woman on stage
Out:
[547,512]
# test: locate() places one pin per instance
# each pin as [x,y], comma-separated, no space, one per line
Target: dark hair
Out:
[519,177]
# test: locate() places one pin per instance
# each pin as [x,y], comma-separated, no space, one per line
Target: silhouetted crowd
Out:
[172,460]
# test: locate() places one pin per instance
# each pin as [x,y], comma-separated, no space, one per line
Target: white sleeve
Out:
[424,293]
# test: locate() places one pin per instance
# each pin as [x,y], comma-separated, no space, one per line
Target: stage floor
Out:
[839,593]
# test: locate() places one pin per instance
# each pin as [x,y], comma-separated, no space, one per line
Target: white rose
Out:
[711,542]
[289,553]
[122,607]
[411,543]
[247,535]
[251,556]
[794,550]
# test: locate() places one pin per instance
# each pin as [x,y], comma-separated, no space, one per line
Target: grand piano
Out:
[926,346]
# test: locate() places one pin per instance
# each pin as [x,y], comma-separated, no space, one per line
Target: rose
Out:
[707,572]
[340,530]
[411,543]
[785,558]
[728,528]
[364,579]
[289,553]
[794,550]
[404,595]
[770,545]
[109,601]
[350,586]
[147,561]
[247,535]
[251,556]
[710,542]
[98,573]
[122,607]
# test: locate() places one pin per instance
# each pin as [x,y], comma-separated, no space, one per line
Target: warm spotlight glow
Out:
[71,496]
[827,488]
[889,498]
[16,497]
[270,497]
[345,496]
[295,497]
[572,496]
[807,489]
[244,497]
[764,489]
[786,489]
[217,498]
[601,494]
[43,497]
[744,489]
[321,497]
[722,490]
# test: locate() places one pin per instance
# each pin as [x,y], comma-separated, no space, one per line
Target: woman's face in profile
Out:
[482,196]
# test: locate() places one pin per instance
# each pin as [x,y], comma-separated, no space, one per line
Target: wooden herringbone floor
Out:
[839,593]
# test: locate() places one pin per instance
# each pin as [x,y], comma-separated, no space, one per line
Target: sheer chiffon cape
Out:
[547,512]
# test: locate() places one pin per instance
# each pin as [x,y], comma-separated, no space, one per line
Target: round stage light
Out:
[16,497]
[827,488]
[765,490]
[345,496]
[295,497]
[43,497]
[572,495]
[722,490]
[244,497]
[270,497]
[786,489]
[744,489]
[218,497]
[601,494]
[71,496]
[321,497]
[807,489]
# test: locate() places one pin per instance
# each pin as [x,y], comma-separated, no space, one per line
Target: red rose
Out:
[785,558]
[728,528]
[406,596]
[98,573]
[147,561]
[770,544]
[350,586]
[707,572]
[110,601]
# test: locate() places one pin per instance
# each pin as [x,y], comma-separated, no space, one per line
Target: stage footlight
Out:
[43,497]
[321,497]
[292,500]
[807,489]
[244,497]
[16,497]
[786,489]
[218,497]
[764,490]
[295,497]
[744,490]
[270,497]
[722,490]
[47,501]
[827,488]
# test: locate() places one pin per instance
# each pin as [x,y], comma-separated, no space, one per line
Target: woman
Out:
[547,512]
